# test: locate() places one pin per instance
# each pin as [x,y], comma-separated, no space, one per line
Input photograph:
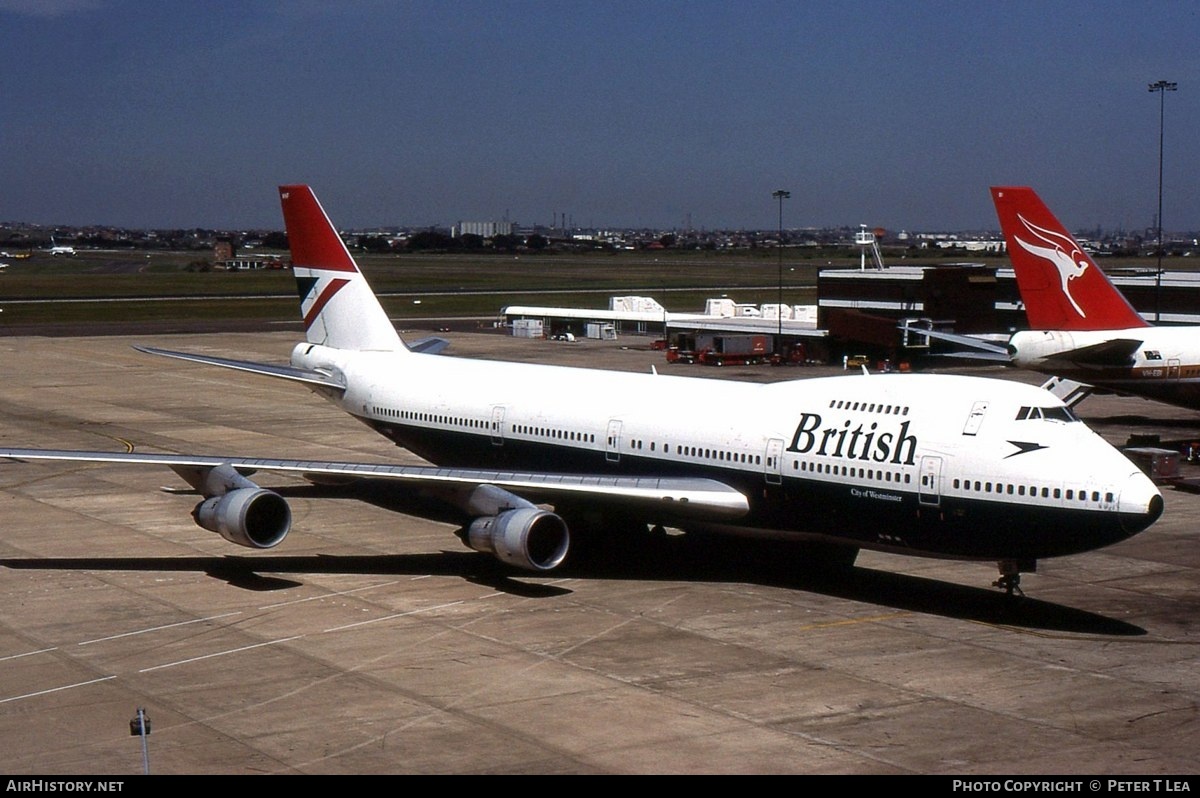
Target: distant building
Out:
[252,262]
[642,315]
[223,250]
[481,229]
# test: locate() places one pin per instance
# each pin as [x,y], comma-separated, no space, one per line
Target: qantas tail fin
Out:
[340,310]
[1061,286]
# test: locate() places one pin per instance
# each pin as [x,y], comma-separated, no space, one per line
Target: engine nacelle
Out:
[254,517]
[527,537]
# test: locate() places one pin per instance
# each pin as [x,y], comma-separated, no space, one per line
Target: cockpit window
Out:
[1061,413]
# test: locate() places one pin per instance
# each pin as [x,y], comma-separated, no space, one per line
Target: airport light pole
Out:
[1162,87]
[780,195]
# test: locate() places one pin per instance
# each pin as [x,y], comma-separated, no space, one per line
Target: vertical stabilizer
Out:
[1060,284]
[338,306]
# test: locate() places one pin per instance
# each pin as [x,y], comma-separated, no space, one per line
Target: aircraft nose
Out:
[1140,503]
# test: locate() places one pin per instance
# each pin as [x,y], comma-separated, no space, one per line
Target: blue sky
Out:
[656,114]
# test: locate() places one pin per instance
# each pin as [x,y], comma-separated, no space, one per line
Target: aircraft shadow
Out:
[648,558]
[782,564]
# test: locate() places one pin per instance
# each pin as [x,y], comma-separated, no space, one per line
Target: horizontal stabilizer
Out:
[665,497]
[429,346]
[1069,391]
[1113,352]
[306,376]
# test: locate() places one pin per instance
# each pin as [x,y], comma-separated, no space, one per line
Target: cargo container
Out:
[1161,465]
[527,328]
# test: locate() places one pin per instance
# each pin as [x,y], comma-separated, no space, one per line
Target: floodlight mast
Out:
[1162,87]
[780,195]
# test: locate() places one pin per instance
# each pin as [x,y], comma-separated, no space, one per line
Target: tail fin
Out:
[340,310]
[1061,286]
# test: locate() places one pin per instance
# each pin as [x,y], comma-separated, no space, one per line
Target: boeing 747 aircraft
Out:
[912,464]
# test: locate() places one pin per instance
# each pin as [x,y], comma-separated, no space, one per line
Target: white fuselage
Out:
[1163,362]
[933,464]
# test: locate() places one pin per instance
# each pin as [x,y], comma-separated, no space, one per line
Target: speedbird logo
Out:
[1063,253]
[312,301]
[854,443]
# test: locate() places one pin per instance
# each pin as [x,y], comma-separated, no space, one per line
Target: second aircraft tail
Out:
[1061,286]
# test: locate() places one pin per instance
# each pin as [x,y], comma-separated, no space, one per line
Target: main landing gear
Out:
[1010,575]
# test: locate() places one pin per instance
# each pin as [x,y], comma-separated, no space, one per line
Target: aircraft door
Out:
[612,443]
[497,425]
[975,419]
[773,462]
[931,480]
[1173,368]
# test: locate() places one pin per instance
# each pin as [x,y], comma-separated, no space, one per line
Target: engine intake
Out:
[237,509]
[253,517]
[526,537]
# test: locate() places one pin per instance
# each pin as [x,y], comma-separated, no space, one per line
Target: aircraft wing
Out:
[306,376]
[1113,352]
[984,349]
[673,497]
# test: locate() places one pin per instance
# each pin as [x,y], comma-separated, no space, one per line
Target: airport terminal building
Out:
[860,311]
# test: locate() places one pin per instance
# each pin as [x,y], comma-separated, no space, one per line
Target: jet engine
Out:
[253,517]
[237,509]
[512,529]
[527,537]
